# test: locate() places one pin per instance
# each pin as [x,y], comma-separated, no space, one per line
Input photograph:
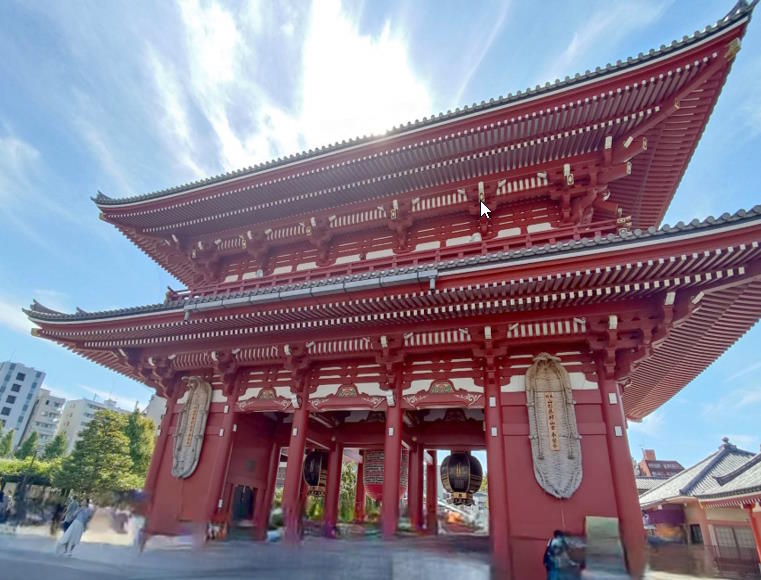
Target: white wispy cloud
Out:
[480,47]
[12,318]
[599,34]
[651,426]
[126,403]
[748,442]
[345,83]
[746,370]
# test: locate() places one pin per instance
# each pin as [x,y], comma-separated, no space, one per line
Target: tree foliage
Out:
[101,463]
[141,432]
[347,492]
[55,448]
[38,472]
[6,444]
[29,446]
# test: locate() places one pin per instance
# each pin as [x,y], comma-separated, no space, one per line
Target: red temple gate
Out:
[353,297]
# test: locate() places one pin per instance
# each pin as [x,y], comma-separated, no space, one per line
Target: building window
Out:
[15,388]
[11,399]
[20,376]
[6,411]
[696,534]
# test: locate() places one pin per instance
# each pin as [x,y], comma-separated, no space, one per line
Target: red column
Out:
[359,494]
[755,527]
[392,456]
[293,473]
[415,492]
[332,491]
[431,497]
[160,448]
[627,502]
[265,496]
[214,500]
[499,524]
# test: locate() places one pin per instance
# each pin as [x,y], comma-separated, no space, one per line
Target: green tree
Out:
[347,492]
[6,444]
[100,463]
[141,432]
[29,446]
[56,448]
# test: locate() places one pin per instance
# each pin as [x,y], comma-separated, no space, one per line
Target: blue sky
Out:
[130,97]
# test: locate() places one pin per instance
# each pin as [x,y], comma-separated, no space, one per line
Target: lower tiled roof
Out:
[561,250]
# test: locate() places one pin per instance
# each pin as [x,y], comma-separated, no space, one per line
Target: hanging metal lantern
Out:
[316,472]
[373,473]
[461,476]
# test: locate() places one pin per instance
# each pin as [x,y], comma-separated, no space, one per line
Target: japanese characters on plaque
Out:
[552,421]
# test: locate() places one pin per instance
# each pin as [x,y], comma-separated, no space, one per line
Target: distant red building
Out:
[356,296]
[650,466]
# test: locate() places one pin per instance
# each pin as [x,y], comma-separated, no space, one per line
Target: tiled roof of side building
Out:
[648,483]
[745,479]
[39,312]
[739,11]
[701,478]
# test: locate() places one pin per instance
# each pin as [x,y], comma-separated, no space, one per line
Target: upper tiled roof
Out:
[39,312]
[745,479]
[739,11]
[701,478]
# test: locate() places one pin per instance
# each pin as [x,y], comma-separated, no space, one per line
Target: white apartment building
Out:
[45,416]
[155,409]
[19,385]
[77,414]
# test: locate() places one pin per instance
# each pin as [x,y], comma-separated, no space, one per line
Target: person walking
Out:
[57,516]
[73,534]
[71,512]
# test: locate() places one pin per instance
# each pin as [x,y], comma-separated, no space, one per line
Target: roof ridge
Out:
[739,11]
[725,449]
[727,477]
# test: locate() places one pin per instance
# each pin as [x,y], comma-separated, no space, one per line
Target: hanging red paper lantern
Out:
[461,475]
[316,472]
[373,473]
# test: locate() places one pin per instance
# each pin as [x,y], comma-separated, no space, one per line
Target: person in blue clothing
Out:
[557,561]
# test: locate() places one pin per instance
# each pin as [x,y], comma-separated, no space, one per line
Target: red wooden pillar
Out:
[392,450]
[359,493]
[431,497]
[265,496]
[215,501]
[755,527]
[415,492]
[159,449]
[499,523]
[627,502]
[293,473]
[332,491]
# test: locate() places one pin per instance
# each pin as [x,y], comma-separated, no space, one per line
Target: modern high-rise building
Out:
[45,416]
[77,414]
[19,385]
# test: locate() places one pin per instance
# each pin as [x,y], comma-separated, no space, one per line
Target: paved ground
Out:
[31,556]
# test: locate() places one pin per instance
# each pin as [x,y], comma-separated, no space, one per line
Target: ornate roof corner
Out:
[102,198]
[37,308]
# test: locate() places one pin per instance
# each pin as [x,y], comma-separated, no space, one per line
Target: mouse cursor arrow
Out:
[485,211]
